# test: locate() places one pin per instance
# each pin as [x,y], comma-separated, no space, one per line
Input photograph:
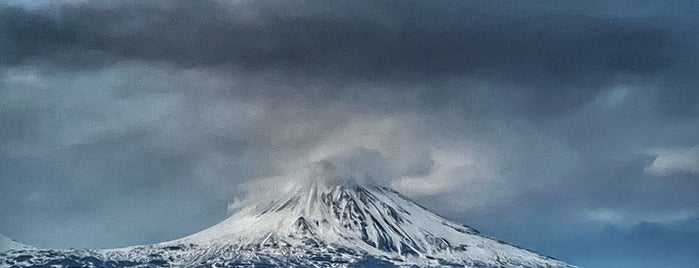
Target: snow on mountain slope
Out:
[375,220]
[9,244]
[344,225]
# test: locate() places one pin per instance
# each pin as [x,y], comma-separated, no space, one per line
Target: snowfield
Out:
[322,225]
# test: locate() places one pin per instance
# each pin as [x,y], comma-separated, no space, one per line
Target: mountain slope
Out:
[320,225]
[7,244]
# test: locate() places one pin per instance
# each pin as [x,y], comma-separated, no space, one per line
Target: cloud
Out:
[631,218]
[362,166]
[675,162]
[410,42]
[454,170]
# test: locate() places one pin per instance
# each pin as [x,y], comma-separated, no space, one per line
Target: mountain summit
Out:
[346,225]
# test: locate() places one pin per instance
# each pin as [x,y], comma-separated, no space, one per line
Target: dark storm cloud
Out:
[408,42]
[360,38]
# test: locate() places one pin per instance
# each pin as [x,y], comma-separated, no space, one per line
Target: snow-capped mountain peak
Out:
[343,224]
[369,219]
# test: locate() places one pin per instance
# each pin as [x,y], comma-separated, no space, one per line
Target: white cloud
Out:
[630,218]
[675,162]
[443,179]
[614,97]
[18,77]
[602,215]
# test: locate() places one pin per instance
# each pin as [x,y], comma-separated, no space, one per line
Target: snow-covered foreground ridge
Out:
[318,226]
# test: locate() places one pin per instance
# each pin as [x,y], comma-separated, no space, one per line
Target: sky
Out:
[568,128]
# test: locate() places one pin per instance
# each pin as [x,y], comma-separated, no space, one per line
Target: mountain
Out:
[345,225]
[7,244]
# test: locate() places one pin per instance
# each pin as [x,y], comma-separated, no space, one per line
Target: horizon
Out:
[569,129]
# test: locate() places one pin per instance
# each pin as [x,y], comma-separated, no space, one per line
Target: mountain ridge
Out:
[344,225]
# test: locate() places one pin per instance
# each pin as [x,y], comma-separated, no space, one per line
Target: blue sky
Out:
[568,129]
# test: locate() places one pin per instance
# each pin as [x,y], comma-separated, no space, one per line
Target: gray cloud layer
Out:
[119,119]
[540,48]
